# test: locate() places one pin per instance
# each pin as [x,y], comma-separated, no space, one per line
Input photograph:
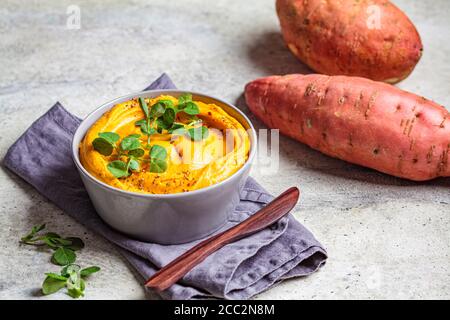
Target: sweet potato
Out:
[369,123]
[366,38]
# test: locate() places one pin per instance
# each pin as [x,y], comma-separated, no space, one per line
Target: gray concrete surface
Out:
[386,237]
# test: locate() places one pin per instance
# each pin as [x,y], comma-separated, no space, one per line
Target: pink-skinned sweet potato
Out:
[366,38]
[358,120]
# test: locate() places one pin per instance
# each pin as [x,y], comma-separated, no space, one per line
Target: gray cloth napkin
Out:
[42,157]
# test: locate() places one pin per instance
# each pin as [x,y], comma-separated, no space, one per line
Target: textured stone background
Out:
[386,237]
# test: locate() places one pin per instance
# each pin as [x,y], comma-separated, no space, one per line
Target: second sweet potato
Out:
[366,38]
[369,123]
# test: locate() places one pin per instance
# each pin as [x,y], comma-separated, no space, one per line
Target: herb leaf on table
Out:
[52,285]
[89,270]
[63,256]
[51,239]
[71,275]
[28,239]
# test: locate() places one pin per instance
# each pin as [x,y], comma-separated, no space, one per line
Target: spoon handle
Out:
[269,214]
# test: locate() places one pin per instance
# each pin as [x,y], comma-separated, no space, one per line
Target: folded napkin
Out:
[42,157]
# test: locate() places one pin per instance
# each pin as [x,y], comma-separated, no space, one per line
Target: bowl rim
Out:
[110,104]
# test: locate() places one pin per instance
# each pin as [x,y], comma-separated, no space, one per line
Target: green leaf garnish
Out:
[76,243]
[105,143]
[88,271]
[158,155]
[158,152]
[52,285]
[158,165]
[133,165]
[140,122]
[71,275]
[28,239]
[66,271]
[184,98]
[75,284]
[167,103]
[159,118]
[63,256]
[157,110]
[144,107]
[130,142]
[55,276]
[161,125]
[51,239]
[118,169]
[76,291]
[136,153]
[103,146]
[145,127]
[194,121]
[177,129]
[169,117]
[57,241]
[191,108]
[198,133]
[186,104]
[111,137]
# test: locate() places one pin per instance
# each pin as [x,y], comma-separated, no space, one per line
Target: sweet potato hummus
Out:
[189,164]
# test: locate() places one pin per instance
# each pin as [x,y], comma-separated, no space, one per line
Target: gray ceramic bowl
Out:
[165,218]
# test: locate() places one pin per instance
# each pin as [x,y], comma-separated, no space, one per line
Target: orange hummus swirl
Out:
[191,165]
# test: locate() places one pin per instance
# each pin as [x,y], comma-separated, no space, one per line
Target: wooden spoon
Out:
[176,269]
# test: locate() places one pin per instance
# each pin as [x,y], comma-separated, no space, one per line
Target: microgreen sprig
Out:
[159,117]
[64,248]
[71,275]
[158,156]
[145,124]
[162,116]
[129,147]
[106,142]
